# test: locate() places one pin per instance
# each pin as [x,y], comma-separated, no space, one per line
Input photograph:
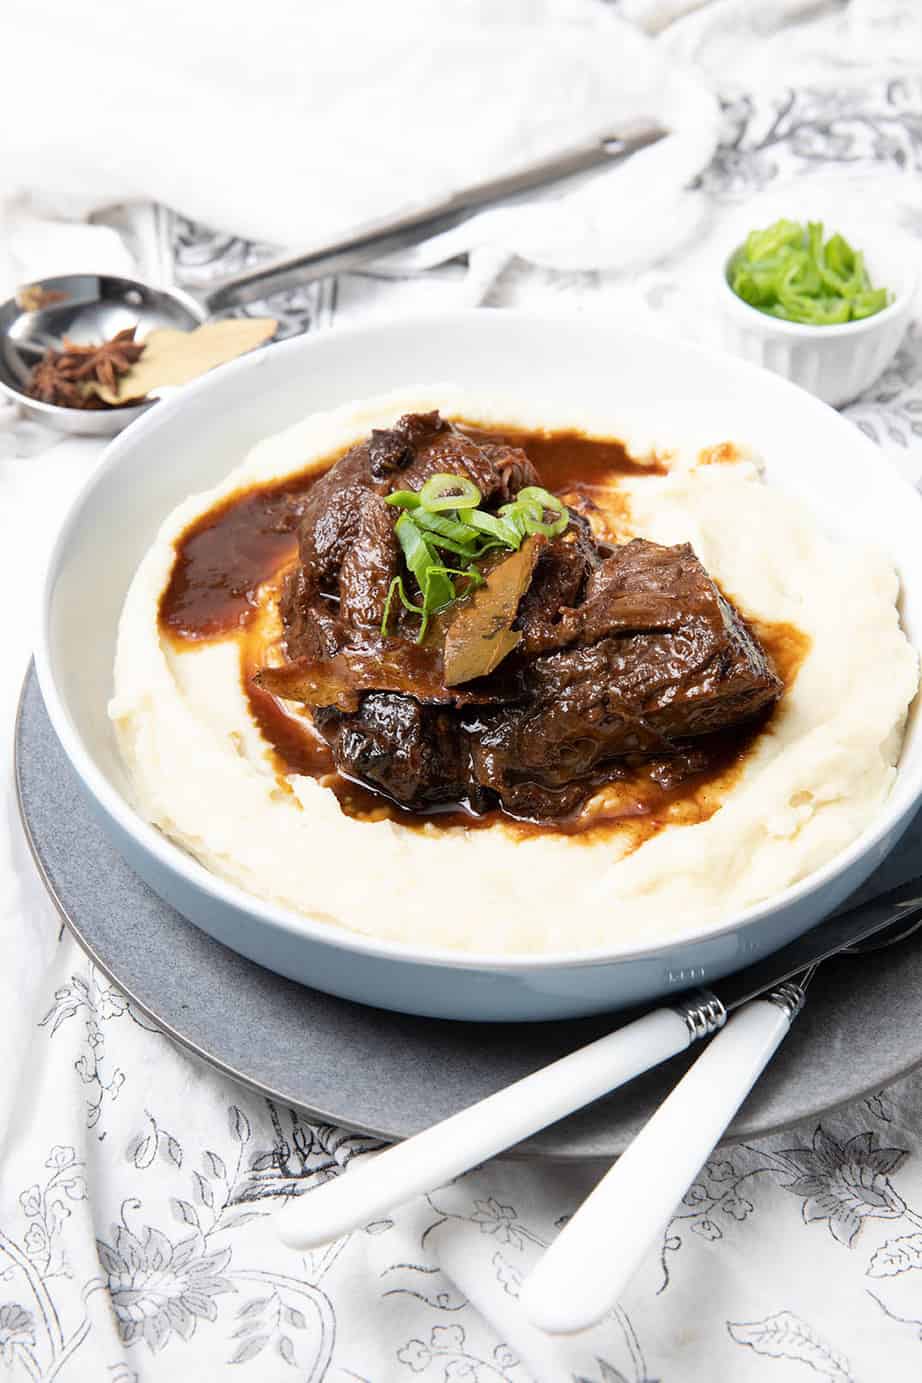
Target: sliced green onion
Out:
[756,284]
[841,261]
[513,515]
[437,578]
[446,527]
[535,502]
[538,495]
[760,244]
[438,589]
[829,310]
[397,586]
[787,271]
[403,499]
[814,255]
[463,529]
[844,285]
[445,491]
[472,574]
[416,554]
[866,304]
[550,530]
[387,604]
[419,557]
[459,549]
[504,534]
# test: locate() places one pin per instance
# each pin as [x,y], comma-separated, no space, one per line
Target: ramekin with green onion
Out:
[824,308]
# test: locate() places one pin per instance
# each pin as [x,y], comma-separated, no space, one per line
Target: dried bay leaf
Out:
[409,668]
[481,634]
[339,681]
[174,357]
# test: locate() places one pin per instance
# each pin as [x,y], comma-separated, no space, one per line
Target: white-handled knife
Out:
[582,1275]
[375,1184]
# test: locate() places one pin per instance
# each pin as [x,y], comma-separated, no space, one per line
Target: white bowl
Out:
[837,362]
[187,443]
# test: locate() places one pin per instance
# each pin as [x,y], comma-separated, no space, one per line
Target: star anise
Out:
[61,376]
[103,363]
[47,383]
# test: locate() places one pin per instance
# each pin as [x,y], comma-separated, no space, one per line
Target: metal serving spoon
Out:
[89,308]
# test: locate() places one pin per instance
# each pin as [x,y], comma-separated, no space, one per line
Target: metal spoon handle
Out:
[382,237]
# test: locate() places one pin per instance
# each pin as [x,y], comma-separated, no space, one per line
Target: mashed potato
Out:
[203,774]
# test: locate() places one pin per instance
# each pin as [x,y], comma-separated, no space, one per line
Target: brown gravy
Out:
[226,556]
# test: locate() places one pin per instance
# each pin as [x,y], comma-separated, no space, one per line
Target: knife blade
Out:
[838,932]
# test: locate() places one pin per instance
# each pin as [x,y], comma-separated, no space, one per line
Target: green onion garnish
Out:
[397,586]
[503,534]
[449,492]
[445,527]
[787,271]
[537,504]
[472,575]
[443,517]
[419,557]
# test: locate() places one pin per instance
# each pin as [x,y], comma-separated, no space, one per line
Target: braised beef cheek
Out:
[627,653]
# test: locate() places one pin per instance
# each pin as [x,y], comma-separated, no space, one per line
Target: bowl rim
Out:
[830,331]
[172,857]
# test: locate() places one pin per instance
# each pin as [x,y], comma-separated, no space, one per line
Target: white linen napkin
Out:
[282,126]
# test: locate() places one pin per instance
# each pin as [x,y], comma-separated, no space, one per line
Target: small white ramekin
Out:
[838,362]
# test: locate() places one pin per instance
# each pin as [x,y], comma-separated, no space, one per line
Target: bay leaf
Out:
[398,666]
[481,635]
[174,357]
[339,681]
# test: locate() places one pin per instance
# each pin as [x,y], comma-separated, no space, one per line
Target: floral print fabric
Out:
[137,1187]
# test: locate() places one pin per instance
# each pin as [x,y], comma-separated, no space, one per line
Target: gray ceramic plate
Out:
[390,1075]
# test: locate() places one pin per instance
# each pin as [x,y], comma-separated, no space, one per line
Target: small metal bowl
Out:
[88,309]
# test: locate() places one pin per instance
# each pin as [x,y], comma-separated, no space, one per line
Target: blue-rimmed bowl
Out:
[191,441]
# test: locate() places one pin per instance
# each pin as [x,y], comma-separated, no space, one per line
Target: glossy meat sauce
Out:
[231,558]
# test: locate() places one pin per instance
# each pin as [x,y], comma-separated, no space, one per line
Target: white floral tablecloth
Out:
[137,1187]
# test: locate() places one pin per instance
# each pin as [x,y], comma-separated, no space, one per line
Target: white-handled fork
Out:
[376,1184]
[584,1272]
